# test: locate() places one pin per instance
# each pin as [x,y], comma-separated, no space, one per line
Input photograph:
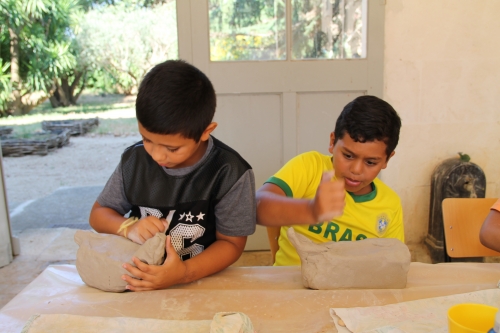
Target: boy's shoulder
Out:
[220,149]
[134,145]
[386,193]
[311,158]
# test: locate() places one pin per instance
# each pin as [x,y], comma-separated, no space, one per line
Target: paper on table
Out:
[425,315]
[223,322]
[63,323]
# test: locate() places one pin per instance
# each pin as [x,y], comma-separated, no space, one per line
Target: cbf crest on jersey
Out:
[382,224]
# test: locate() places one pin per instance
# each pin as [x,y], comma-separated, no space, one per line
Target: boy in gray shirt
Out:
[179,180]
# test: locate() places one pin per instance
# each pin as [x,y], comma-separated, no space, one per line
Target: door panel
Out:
[317,114]
[250,124]
[281,76]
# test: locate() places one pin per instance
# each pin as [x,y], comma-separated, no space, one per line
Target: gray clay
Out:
[372,263]
[100,257]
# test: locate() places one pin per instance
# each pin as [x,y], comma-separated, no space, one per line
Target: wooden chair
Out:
[462,221]
[273,233]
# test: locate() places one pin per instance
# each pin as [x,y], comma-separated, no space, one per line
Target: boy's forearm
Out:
[275,210]
[217,257]
[105,220]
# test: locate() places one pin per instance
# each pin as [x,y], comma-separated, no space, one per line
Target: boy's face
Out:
[358,163]
[174,151]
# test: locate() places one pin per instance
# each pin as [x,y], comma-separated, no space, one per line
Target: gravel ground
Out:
[86,161]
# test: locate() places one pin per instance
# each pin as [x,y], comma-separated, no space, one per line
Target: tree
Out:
[38,35]
[115,40]
[5,90]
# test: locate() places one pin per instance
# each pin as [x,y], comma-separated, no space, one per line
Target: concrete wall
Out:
[442,74]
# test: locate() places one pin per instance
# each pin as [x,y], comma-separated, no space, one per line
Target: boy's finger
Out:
[340,181]
[169,247]
[155,225]
[327,176]
[135,271]
[144,267]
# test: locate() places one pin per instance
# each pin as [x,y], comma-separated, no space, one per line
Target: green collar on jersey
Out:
[365,197]
[357,198]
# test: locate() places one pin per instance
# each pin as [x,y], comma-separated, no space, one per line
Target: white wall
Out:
[442,74]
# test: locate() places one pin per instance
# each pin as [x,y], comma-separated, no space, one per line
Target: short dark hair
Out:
[176,98]
[369,118]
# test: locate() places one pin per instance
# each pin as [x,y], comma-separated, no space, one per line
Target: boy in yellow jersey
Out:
[338,197]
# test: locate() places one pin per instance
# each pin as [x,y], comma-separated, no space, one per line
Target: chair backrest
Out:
[273,233]
[462,221]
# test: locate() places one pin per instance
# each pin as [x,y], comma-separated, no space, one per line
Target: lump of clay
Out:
[372,263]
[100,257]
[229,322]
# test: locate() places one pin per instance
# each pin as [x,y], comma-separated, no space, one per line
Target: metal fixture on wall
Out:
[453,178]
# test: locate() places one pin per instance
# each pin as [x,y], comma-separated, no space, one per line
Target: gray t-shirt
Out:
[235,213]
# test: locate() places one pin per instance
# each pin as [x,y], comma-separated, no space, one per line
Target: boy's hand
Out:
[146,228]
[154,277]
[329,201]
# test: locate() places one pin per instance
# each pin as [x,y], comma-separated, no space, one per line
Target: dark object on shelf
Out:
[75,126]
[454,178]
[38,144]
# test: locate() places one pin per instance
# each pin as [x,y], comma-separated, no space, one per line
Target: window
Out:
[242,30]
[328,29]
[247,30]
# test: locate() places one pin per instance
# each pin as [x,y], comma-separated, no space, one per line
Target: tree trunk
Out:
[78,76]
[64,93]
[15,78]
[59,97]
[54,99]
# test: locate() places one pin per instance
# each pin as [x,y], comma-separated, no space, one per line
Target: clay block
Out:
[372,263]
[100,257]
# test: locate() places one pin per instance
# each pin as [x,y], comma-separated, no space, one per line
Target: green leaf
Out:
[464,157]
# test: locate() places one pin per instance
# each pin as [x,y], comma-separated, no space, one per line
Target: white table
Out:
[273,297]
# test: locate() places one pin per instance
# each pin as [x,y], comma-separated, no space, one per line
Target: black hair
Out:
[369,118]
[175,98]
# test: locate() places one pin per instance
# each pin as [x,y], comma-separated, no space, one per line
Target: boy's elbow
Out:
[489,235]
[92,220]
[94,216]
[487,239]
[483,237]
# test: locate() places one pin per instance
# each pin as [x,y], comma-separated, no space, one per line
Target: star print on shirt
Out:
[189,217]
[182,216]
[200,216]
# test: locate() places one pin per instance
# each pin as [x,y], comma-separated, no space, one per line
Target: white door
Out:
[271,110]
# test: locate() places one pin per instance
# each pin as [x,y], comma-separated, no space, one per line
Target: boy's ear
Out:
[388,158]
[332,144]
[206,133]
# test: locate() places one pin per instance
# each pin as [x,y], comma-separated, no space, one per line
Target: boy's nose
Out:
[156,154]
[356,168]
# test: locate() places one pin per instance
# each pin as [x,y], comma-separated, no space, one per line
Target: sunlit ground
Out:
[116,115]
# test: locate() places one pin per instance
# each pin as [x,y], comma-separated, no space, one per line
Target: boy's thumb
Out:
[169,247]
[327,176]
[165,224]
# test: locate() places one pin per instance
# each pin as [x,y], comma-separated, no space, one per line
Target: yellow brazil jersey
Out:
[376,214]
